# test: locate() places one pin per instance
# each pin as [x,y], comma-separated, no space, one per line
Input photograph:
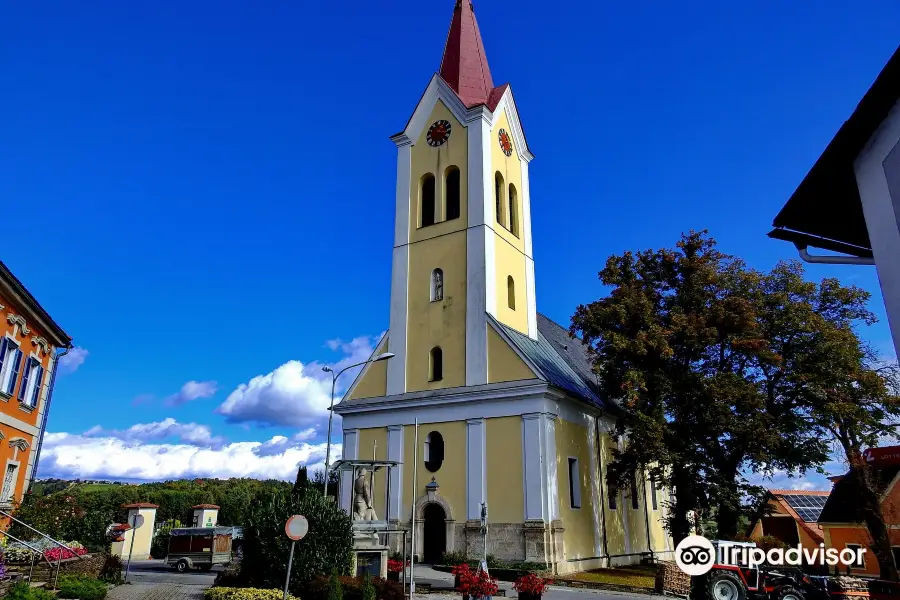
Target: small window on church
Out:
[653,492]
[635,500]
[451,190]
[498,197]
[574,483]
[434,451]
[511,292]
[613,497]
[437,285]
[513,210]
[427,196]
[437,364]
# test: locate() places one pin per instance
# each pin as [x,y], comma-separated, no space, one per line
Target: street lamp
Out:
[334,378]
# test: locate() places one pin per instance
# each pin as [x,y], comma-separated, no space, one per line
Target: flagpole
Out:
[412,561]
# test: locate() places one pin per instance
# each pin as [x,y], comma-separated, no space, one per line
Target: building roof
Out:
[825,211]
[141,505]
[562,359]
[206,506]
[842,505]
[48,326]
[464,65]
[804,507]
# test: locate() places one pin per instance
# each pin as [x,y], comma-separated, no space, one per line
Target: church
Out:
[508,413]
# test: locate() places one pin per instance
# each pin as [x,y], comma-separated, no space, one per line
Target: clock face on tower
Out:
[505,142]
[438,133]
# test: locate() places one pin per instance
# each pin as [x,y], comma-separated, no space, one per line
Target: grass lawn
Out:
[636,576]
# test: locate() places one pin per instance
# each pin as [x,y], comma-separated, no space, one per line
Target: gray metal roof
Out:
[561,359]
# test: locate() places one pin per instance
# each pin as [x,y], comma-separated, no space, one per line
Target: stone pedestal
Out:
[535,533]
[369,555]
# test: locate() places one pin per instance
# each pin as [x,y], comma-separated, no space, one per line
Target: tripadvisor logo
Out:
[696,555]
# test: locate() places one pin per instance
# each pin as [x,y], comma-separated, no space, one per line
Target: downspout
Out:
[831,260]
[647,512]
[37,455]
[602,499]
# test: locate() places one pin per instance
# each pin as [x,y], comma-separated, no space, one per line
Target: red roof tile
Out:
[464,66]
[206,506]
[800,492]
[141,505]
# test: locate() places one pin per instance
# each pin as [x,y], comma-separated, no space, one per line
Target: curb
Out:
[610,587]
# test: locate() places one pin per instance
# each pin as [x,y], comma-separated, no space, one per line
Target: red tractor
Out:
[740,582]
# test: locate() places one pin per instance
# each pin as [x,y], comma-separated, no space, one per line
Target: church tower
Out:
[503,402]
[462,240]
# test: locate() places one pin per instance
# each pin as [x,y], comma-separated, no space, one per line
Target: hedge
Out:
[223,593]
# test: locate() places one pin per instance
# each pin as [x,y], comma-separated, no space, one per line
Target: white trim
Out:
[4,498]
[490,273]
[526,209]
[403,205]
[881,215]
[535,509]
[437,90]
[552,477]
[596,482]
[349,451]
[476,471]
[476,319]
[22,426]
[530,298]
[395,452]
[508,104]
[396,370]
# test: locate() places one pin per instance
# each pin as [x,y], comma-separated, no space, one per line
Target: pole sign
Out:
[296,527]
[138,521]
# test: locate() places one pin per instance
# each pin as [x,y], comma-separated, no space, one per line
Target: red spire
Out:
[465,65]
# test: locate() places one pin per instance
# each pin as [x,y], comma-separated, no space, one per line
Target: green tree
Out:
[327,546]
[681,341]
[302,479]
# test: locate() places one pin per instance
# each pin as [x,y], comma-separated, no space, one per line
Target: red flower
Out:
[395,566]
[531,584]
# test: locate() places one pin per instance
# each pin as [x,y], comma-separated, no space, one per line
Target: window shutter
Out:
[16,365]
[39,377]
[2,351]
[26,375]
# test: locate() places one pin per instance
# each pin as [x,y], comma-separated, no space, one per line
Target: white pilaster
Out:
[878,171]
[396,367]
[551,477]
[402,216]
[395,452]
[476,468]
[349,451]
[476,307]
[532,478]
[595,489]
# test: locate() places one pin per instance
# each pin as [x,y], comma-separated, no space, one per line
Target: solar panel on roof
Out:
[807,507]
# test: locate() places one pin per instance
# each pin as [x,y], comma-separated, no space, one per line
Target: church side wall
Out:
[572,442]
[615,521]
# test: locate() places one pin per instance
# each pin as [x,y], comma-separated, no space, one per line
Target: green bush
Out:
[352,588]
[81,587]
[327,547]
[23,591]
[367,590]
[454,558]
[159,548]
[230,577]
[224,593]
[111,572]
[335,589]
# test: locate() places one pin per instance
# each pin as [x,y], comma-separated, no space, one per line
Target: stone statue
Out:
[362,498]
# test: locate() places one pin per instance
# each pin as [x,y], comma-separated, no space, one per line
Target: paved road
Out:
[156,571]
[157,591]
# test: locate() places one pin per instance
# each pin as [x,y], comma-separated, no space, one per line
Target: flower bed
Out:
[16,552]
[223,593]
[531,586]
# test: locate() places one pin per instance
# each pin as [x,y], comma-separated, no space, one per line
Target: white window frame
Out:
[8,366]
[574,484]
[8,495]
[31,395]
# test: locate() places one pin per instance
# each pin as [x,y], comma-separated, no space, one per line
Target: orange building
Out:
[31,344]
[841,522]
[792,517]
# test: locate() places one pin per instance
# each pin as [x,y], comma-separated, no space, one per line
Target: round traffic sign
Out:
[137,521]
[296,527]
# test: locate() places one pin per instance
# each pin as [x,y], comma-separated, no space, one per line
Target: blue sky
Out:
[202,192]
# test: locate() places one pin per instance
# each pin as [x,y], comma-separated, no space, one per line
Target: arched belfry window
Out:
[451,191]
[437,285]
[434,451]
[498,197]
[428,198]
[437,364]
[513,210]
[511,292]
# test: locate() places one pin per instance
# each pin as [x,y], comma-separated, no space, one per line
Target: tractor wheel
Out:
[788,592]
[182,566]
[725,585]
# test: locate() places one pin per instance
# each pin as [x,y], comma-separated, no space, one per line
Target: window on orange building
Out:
[10,357]
[31,382]
[9,483]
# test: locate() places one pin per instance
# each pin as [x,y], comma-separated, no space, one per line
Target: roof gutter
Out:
[831,260]
[37,454]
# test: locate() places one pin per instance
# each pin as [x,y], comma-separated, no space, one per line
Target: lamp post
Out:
[334,378]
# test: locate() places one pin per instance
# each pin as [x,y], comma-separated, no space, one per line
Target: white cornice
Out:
[437,90]
[507,103]
[481,393]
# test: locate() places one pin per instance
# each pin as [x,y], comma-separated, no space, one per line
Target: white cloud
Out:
[66,455]
[192,390]
[73,359]
[188,433]
[295,394]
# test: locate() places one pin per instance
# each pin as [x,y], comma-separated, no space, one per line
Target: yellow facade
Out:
[503,362]
[373,445]
[373,379]
[572,442]
[504,469]
[427,159]
[441,323]
[615,523]
[510,262]
[451,475]
[510,168]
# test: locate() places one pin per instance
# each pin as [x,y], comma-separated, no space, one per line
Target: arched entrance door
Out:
[435,534]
